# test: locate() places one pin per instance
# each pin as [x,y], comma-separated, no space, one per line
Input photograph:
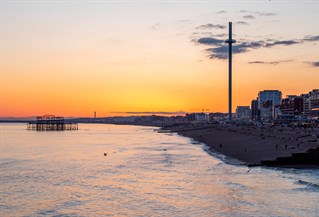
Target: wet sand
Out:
[251,145]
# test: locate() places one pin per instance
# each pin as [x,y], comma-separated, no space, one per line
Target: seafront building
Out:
[255,114]
[267,99]
[269,106]
[266,96]
[198,117]
[276,112]
[243,113]
[305,106]
[314,104]
[293,106]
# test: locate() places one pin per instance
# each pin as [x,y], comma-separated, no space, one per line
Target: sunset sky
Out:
[72,58]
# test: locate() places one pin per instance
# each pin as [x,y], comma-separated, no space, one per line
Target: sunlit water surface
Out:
[143,174]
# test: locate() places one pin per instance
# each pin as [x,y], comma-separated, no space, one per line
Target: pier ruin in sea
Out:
[51,123]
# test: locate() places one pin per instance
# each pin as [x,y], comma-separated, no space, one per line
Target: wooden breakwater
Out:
[310,158]
[51,123]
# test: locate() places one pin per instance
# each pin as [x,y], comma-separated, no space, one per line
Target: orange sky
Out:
[74,58]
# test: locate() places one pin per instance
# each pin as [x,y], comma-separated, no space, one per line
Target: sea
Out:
[114,170]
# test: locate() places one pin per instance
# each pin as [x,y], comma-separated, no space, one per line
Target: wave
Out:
[308,185]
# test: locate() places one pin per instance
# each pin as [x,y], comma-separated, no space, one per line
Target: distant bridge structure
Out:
[51,123]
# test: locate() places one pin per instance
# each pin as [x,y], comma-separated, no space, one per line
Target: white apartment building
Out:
[267,99]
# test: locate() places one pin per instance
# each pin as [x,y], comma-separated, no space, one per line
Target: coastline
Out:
[253,146]
[249,145]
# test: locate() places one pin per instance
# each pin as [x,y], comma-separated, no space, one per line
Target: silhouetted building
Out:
[292,108]
[266,100]
[243,112]
[255,113]
[311,104]
[200,117]
[293,105]
[314,104]
[218,116]
[306,104]
[276,111]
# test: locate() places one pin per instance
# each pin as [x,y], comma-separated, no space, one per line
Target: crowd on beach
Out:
[252,143]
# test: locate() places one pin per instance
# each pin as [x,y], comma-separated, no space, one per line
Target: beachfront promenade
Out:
[252,145]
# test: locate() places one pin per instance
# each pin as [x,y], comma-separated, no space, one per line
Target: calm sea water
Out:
[143,174]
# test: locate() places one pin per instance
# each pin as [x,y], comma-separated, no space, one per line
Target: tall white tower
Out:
[230,41]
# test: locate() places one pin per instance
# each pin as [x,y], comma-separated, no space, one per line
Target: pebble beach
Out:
[252,145]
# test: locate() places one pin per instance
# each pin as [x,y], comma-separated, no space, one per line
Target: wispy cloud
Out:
[210,41]
[285,42]
[243,11]
[211,26]
[221,12]
[266,14]
[269,63]
[242,23]
[314,64]
[249,17]
[184,21]
[218,49]
[311,38]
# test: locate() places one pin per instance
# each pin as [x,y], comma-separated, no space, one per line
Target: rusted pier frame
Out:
[51,123]
[52,126]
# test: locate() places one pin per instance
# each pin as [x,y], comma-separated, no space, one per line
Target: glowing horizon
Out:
[73,58]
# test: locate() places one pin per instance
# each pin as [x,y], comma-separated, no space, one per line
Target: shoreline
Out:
[277,146]
[273,146]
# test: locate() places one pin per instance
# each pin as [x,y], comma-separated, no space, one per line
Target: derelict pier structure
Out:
[51,123]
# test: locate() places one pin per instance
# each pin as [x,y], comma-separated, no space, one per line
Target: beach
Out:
[253,145]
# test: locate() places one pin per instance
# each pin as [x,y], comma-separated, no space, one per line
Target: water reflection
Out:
[143,174]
